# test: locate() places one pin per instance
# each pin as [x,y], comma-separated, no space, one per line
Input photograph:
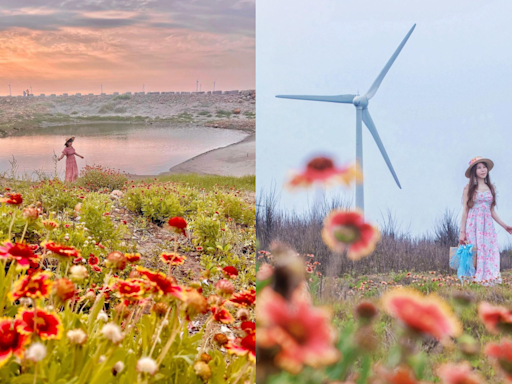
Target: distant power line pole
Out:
[197,82]
[143,88]
[214,86]
[101,88]
[31,90]
[10,93]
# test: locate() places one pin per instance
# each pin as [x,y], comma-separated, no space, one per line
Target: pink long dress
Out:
[71,167]
[481,233]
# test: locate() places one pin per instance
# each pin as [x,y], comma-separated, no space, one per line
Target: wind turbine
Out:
[362,115]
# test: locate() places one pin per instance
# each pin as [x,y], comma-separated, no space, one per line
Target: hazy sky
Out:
[446,99]
[75,45]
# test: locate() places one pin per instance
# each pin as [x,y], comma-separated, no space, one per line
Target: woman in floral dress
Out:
[477,226]
[70,153]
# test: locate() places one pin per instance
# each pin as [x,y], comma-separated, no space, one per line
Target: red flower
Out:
[132,257]
[221,314]
[173,258]
[12,342]
[20,252]
[64,289]
[399,375]
[495,318]
[93,260]
[161,284]
[130,289]
[34,286]
[48,326]
[304,333]
[246,345]
[347,230]
[12,199]
[96,268]
[461,373]
[424,314]
[230,272]
[116,260]
[503,354]
[61,250]
[245,298]
[322,170]
[178,225]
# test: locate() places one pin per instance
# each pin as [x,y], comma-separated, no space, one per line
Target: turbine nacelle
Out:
[360,102]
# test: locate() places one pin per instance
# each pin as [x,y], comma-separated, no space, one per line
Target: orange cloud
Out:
[123,49]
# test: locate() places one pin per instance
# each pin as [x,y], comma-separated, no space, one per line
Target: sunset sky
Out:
[72,46]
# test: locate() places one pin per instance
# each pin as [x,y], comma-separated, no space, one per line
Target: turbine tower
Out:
[362,115]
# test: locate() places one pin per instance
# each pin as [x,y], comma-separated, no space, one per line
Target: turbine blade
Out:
[332,99]
[373,130]
[375,86]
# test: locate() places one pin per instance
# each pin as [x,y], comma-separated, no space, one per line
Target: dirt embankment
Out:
[233,111]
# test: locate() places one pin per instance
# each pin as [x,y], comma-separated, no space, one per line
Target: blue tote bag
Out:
[461,259]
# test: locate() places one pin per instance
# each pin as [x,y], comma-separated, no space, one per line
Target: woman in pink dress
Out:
[477,226]
[71,167]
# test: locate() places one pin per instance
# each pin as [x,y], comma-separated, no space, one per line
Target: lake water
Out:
[134,148]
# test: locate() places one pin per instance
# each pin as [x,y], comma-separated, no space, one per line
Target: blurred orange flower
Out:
[347,230]
[502,352]
[424,314]
[323,171]
[495,318]
[461,373]
[304,333]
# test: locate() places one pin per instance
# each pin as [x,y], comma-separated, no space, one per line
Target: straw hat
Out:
[72,138]
[475,161]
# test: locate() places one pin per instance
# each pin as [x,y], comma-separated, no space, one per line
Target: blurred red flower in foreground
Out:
[461,373]
[347,230]
[322,170]
[178,225]
[12,199]
[503,354]
[20,252]
[303,332]
[11,340]
[495,318]
[48,325]
[424,314]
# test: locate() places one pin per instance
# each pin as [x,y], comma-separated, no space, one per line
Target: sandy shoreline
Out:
[238,159]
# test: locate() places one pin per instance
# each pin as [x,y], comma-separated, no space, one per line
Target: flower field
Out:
[316,324]
[151,282]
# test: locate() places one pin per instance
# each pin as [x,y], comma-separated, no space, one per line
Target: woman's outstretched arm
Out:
[61,156]
[78,155]
[462,237]
[496,218]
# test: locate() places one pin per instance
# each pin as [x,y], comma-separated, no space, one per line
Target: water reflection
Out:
[134,148]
